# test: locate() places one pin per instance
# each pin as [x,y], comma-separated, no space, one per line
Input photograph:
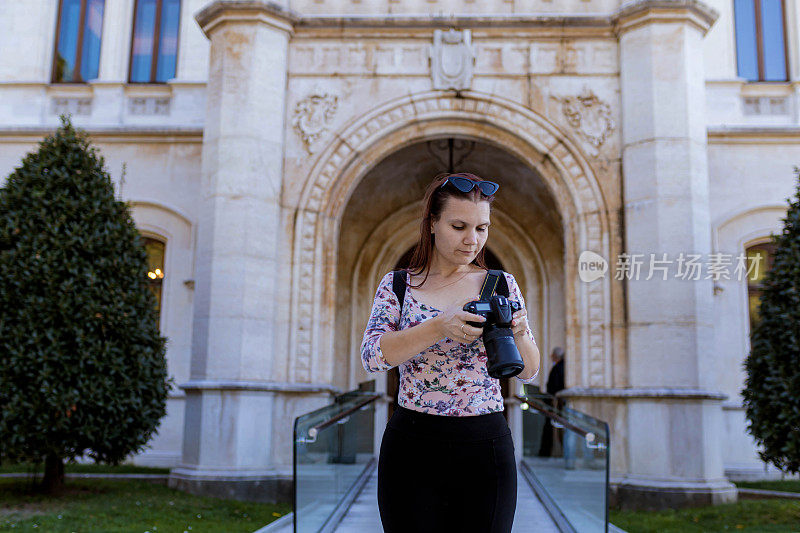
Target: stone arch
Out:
[488,118]
[731,233]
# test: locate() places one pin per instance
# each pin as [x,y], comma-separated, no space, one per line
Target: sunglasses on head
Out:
[466,184]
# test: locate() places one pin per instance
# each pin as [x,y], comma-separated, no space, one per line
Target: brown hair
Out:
[433,204]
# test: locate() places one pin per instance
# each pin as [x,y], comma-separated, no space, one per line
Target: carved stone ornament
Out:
[589,116]
[312,115]
[451,58]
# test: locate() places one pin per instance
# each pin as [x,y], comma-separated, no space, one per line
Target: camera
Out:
[503,358]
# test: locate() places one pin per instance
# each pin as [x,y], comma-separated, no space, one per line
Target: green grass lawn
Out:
[781,486]
[746,515]
[95,505]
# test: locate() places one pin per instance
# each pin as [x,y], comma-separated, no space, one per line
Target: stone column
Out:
[227,447]
[674,415]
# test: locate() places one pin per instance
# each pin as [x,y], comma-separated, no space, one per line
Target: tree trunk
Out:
[53,474]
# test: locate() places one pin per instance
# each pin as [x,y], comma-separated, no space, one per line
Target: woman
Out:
[447,458]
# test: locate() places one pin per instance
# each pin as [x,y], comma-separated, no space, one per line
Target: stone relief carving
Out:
[588,116]
[75,106]
[148,106]
[516,57]
[452,58]
[312,116]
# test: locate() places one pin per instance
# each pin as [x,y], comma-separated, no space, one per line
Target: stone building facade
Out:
[282,161]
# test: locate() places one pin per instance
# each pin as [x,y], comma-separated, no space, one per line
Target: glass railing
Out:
[565,459]
[333,449]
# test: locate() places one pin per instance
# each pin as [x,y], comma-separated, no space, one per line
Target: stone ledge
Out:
[265,386]
[271,488]
[653,495]
[481,21]
[786,131]
[759,494]
[108,133]
[673,393]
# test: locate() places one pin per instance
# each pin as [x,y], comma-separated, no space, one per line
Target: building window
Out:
[759,259]
[760,40]
[154,47]
[80,29]
[155,269]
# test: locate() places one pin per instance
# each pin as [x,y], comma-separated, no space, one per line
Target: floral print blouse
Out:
[448,378]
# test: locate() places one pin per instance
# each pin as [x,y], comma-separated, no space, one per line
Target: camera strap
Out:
[399,287]
[495,282]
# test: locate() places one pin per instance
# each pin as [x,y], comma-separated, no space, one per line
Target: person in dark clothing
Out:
[555,383]
[555,379]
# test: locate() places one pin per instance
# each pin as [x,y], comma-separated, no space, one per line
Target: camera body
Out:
[503,358]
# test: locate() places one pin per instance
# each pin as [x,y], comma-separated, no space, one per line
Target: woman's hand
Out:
[519,323]
[453,322]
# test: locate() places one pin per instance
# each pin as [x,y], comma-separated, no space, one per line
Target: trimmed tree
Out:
[772,386]
[82,366]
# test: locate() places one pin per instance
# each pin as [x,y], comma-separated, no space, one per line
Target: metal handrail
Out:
[557,419]
[314,430]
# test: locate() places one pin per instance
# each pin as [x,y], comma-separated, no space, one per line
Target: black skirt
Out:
[447,473]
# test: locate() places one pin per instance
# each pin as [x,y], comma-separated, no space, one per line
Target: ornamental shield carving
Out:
[451,58]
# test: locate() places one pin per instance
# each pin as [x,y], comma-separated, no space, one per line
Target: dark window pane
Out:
[746,50]
[66,52]
[757,264]
[772,30]
[766,252]
[144,32]
[155,268]
[168,40]
[92,33]
[754,300]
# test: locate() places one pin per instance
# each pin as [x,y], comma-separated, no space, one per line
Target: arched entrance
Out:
[359,213]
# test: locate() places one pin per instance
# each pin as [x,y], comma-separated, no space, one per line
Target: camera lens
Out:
[502,355]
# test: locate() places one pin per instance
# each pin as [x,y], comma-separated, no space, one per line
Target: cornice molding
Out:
[641,12]
[627,17]
[108,134]
[223,12]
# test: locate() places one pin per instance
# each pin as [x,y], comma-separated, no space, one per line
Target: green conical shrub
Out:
[82,363]
[772,386]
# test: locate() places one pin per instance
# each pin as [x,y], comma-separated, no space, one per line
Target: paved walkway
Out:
[363,515]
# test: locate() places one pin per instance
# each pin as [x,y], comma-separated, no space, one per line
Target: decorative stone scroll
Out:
[590,117]
[452,58]
[312,116]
